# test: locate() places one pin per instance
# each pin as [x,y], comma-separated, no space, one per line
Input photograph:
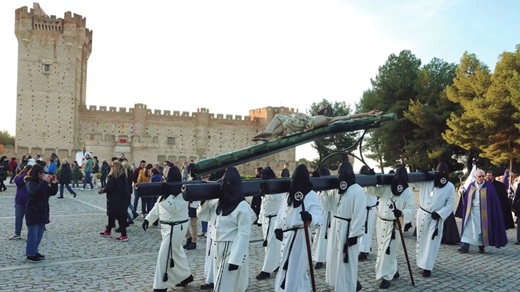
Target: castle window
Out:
[171,141]
[46,67]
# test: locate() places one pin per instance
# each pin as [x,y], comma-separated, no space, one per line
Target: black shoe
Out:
[134,215]
[188,242]
[60,197]
[362,256]
[34,258]
[463,250]
[40,255]
[396,276]
[481,249]
[517,243]
[358,286]
[192,245]
[263,275]
[74,195]
[207,286]
[156,223]
[385,284]
[426,273]
[318,266]
[185,282]
[159,290]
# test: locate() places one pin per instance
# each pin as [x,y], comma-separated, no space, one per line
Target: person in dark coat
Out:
[39,189]
[505,203]
[118,199]
[516,209]
[65,177]
[105,169]
[256,201]
[4,167]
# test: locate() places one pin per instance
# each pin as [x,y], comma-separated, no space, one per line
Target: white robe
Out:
[349,205]
[366,240]
[322,232]
[296,277]
[472,229]
[231,246]
[206,212]
[173,210]
[269,210]
[386,264]
[442,201]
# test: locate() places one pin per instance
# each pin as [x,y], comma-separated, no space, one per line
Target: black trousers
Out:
[121,220]
[256,204]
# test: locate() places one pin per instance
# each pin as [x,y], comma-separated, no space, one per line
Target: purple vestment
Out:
[492,220]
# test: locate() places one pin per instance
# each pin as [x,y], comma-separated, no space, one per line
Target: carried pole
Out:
[307,241]
[399,225]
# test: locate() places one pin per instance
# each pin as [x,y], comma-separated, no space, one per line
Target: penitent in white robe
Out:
[289,218]
[173,210]
[322,232]
[269,209]
[348,212]
[206,212]
[231,246]
[386,264]
[432,199]
[370,224]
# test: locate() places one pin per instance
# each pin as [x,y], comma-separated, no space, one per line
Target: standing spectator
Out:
[52,167]
[482,218]
[145,175]
[39,189]
[117,200]
[395,201]
[65,177]
[185,171]
[129,174]
[170,210]
[12,167]
[135,176]
[56,159]
[503,198]
[285,171]
[87,169]
[4,167]
[105,169]
[256,201]
[95,170]
[231,236]
[20,200]
[437,199]
[192,230]
[22,164]
[76,173]
[289,225]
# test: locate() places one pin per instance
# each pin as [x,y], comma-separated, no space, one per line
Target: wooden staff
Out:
[308,242]
[404,248]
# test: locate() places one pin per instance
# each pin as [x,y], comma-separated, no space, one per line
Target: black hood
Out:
[174,175]
[346,176]
[400,181]
[268,173]
[230,192]
[441,175]
[300,183]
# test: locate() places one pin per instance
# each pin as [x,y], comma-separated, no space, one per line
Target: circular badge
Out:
[298,196]
[343,185]
[400,188]
[444,180]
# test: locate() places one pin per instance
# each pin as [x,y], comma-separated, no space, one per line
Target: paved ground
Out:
[79,259]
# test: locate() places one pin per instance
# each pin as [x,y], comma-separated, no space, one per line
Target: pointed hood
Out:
[300,183]
[231,193]
[400,181]
[346,176]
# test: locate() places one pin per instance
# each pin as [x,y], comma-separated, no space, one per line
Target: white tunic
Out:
[206,212]
[231,246]
[269,209]
[432,199]
[322,232]
[370,224]
[472,229]
[348,212]
[172,210]
[295,277]
[386,264]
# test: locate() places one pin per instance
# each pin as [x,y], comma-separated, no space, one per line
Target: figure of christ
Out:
[286,125]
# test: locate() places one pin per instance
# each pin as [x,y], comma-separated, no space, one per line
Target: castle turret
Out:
[52,69]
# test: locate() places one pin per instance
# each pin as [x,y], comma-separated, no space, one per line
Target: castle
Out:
[52,115]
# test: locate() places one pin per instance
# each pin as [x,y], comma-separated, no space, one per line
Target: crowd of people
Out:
[339,223]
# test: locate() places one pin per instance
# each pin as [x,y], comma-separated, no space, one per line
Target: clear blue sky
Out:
[184,55]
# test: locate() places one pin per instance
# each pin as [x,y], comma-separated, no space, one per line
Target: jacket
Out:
[37,209]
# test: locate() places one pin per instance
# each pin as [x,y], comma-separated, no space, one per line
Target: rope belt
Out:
[268,227]
[286,264]
[368,212]
[169,256]
[345,246]
[393,232]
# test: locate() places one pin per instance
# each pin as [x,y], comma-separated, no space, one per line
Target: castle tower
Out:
[52,75]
